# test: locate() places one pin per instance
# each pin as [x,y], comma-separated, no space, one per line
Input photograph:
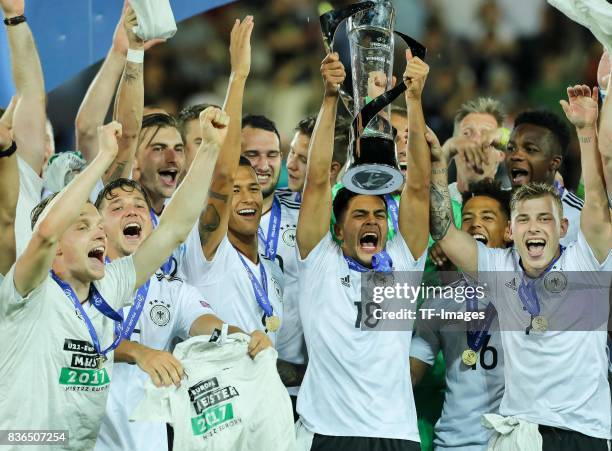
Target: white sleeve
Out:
[118,284]
[191,305]
[95,192]
[318,256]
[425,342]
[11,302]
[194,265]
[402,257]
[581,254]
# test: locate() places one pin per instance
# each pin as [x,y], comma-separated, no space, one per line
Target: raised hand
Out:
[12,8]
[475,154]
[582,109]
[213,123]
[333,74]
[163,368]
[240,46]
[130,21]
[107,140]
[377,83]
[415,75]
[259,342]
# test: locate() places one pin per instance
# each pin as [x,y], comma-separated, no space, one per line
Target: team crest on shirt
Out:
[555,282]
[289,235]
[160,312]
[277,288]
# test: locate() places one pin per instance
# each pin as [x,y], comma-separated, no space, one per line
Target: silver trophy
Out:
[366,49]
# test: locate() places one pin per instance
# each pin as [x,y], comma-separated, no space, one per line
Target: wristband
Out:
[10,151]
[135,56]
[11,21]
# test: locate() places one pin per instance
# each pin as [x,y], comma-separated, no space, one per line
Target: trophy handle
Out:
[331,19]
[416,47]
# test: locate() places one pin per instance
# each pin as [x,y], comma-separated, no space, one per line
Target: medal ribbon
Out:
[259,289]
[99,303]
[393,209]
[527,289]
[271,242]
[381,262]
[167,266]
[476,337]
[136,309]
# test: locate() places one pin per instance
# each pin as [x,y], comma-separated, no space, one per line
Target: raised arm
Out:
[34,264]
[214,218]
[9,191]
[605,123]
[182,212]
[414,203]
[315,211]
[595,224]
[30,118]
[458,246]
[129,102]
[100,94]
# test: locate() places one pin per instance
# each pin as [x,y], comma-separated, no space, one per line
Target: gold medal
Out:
[272,323]
[100,361]
[469,357]
[539,323]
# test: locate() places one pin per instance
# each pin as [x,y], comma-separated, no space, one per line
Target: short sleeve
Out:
[192,305]
[194,265]
[118,285]
[579,253]
[11,302]
[425,342]
[402,257]
[316,259]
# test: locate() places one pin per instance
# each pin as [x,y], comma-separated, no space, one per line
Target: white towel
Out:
[596,15]
[155,19]
[512,434]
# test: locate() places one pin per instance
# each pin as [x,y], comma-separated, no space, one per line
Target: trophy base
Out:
[373,179]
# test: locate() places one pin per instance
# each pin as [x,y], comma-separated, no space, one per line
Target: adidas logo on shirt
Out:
[346,281]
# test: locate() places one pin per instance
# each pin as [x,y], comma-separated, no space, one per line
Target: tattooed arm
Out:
[458,246]
[128,105]
[215,217]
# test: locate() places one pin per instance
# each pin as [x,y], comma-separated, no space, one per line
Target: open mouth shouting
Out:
[132,231]
[519,176]
[97,254]
[535,247]
[168,176]
[368,242]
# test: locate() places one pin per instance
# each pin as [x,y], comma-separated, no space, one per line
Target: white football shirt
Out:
[170,309]
[48,372]
[470,391]
[572,206]
[227,402]
[357,382]
[225,284]
[290,343]
[557,378]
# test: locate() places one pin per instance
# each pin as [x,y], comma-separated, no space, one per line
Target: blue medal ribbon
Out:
[393,209]
[381,262]
[527,290]
[271,241]
[102,306]
[259,289]
[167,266]
[135,309]
[477,332]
